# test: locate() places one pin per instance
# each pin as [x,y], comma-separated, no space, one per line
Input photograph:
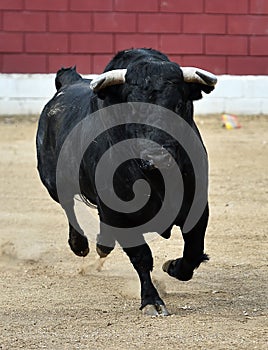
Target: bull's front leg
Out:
[142,260]
[77,240]
[193,254]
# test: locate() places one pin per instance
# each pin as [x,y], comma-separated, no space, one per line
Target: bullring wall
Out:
[227,37]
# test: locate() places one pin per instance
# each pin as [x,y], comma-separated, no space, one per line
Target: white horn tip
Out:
[207,77]
[197,75]
[96,82]
[109,78]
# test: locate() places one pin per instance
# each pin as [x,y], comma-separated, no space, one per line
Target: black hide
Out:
[150,78]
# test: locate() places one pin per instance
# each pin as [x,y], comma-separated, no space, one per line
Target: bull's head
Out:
[162,83]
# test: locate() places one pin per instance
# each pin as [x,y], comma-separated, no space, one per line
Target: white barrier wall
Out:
[234,94]
[28,93]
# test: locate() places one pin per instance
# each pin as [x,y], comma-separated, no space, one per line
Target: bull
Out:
[136,77]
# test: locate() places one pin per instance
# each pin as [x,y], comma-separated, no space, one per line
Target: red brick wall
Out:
[224,36]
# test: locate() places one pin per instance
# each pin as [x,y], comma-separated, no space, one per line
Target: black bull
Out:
[138,77]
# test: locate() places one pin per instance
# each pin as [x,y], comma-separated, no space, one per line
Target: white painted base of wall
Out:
[28,94]
[244,95]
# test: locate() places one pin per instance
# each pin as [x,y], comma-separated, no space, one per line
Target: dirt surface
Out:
[51,299]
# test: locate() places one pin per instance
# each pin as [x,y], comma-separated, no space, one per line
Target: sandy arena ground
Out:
[51,299]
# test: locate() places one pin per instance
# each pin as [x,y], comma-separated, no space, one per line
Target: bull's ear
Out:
[195,91]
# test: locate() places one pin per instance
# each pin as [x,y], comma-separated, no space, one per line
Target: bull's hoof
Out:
[79,245]
[155,310]
[182,269]
[176,268]
[166,265]
[103,251]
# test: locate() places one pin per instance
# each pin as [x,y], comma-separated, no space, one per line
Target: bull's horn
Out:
[197,75]
[113,77]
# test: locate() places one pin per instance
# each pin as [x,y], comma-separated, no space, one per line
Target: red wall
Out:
[224,36]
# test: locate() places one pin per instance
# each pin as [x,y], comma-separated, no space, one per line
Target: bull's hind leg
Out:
[142,260]
[193,254]
[105,240]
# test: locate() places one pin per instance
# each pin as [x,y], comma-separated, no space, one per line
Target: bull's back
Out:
[60,115]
